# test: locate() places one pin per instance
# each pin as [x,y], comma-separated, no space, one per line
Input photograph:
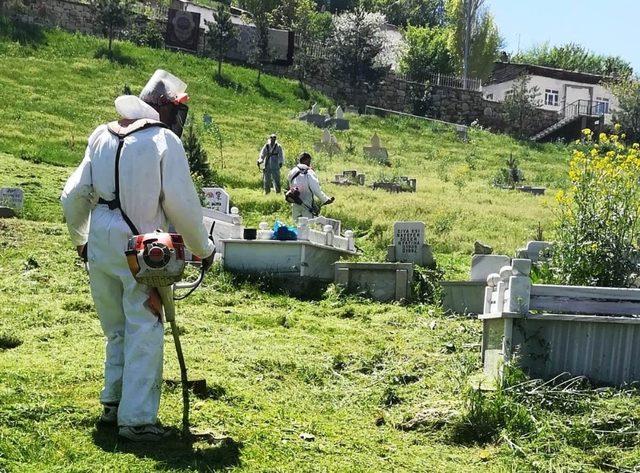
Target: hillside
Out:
[345,370]
[55,92]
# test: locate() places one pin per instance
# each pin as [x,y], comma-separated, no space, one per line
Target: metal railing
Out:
[452,82]
[593,108]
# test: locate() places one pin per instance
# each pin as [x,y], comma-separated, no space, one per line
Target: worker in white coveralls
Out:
[303,187]
[134,179]
[270,161]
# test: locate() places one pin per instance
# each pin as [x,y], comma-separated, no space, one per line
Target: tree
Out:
[197,155]
[475,40]
[259,51]
[430,13]
[356,43]
[574,57]
[519,107]
[221,34]
[628,113]
[112,15]
[291,14]
[427,53]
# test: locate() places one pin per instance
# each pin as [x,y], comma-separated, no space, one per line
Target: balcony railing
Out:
[593,108]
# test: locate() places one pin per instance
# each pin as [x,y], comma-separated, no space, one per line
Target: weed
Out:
[8,341]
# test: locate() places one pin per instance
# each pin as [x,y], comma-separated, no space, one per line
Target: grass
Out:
[349,372]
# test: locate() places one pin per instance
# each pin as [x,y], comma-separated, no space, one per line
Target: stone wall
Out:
[68,15]
[440,102]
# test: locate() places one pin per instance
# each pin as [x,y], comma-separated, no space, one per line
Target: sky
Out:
[606,27]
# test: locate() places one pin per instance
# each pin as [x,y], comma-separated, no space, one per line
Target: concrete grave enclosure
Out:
[583,331]
[391,280]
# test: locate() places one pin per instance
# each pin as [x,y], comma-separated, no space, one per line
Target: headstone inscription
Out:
[216,198]
[408,238]
[12,197]
[409,245]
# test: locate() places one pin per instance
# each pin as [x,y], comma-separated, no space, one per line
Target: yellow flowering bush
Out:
[597,227]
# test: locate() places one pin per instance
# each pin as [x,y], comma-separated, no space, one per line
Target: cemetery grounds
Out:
[328,384]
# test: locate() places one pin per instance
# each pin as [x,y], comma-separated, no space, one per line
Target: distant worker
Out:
[303,187]
[270,161]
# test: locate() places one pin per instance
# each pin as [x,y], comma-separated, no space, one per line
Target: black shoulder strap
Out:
[121,134]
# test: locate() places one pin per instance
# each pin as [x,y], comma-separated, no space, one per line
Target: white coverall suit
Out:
[305,179]
[273,159]
[155,187]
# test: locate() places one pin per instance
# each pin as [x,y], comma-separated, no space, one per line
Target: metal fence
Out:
[452,82]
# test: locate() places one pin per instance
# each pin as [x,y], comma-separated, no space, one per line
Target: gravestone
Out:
[480,248]
[12,197]
[349,178]
[338,121]
[328,143]
[216,198]
[409,244]
[314,116]
[462,132]
[376,150]
[535,250]
[484,265]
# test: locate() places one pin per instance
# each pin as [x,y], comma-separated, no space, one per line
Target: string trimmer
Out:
[158,260]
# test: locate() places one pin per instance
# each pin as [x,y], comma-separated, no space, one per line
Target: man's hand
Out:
[82,252]
[208,261]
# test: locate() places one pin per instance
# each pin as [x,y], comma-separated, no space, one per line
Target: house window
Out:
[602,105]
[551,97]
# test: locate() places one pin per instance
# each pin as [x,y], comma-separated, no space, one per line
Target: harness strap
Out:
[121,132]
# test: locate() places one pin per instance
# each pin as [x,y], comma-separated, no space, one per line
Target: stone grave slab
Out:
[484,265]
[12,197]
[7,212]
[216,198]
[376,150]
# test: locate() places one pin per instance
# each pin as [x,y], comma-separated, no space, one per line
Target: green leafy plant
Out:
[426,284]
[509,176]
[598,222]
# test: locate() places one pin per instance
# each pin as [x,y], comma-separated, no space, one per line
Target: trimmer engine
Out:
[156,259]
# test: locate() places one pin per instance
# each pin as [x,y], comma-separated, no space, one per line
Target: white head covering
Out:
[132,108]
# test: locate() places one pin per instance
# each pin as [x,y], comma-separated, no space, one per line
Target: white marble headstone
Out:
[326,137]
[375,141]
[339,113]
[484,265]
[216,198]
[12,197]
[315,109]
[408,239]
